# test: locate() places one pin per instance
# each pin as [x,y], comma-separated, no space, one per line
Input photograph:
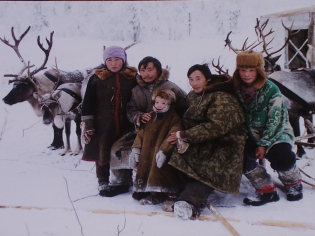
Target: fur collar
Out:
[128,72]
[220,83]
[163,77]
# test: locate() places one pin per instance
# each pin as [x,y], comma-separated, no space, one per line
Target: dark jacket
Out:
[215,128]
[104,110]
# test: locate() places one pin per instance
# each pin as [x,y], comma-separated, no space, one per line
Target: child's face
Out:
[248,75]
[160,103]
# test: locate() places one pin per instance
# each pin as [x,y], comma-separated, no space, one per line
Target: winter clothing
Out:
[151,139]
[185,210]
[267,126]
[262,199]
[294,193]
[104,110]
[214,127]
[142,94]
[111,191]
[267,117]
[140,103]
[250,59]
[115,51]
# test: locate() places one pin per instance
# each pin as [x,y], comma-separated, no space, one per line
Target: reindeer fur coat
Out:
[151,138]
[104,110]
[141,96]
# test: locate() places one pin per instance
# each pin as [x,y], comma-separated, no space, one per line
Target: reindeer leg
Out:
[58,140]
[79,148]
[68,131]
[295,123]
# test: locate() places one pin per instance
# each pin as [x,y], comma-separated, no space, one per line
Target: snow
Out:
[42,182]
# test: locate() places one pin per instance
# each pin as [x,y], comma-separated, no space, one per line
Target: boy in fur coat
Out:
[151,151]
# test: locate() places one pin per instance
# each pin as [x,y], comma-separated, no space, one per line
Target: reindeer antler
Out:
[228,42]
[46,51]
[219,68]
[16,49]
[260,33]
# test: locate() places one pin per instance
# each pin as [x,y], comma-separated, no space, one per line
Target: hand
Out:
[160,159]
[172,139]
[260,152]
[146,117]
[134,157]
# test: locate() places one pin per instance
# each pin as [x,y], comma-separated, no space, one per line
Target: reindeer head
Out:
[24,84]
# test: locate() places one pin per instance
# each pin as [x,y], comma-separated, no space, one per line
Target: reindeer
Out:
[296,86]
[32,86]
[60,107]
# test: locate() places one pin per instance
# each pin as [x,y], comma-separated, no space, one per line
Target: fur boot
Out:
[291,180]
[265,188]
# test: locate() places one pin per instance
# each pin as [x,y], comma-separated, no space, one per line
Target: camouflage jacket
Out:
[215,128]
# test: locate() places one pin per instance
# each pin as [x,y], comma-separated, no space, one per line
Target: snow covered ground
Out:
[37,184]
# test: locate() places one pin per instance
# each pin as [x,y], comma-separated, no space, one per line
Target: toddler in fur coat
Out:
[156,181]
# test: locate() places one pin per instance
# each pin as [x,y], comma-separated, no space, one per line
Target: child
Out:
[269,132]
[150,149]
[104,113]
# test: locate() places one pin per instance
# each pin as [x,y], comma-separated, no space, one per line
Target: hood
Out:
[163,77]
[128,72]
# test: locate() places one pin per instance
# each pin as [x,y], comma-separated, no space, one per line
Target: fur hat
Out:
[167,94]
[250,59]
[115,51]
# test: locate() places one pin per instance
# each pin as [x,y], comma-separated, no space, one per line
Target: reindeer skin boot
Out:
[291,180]
[265,188]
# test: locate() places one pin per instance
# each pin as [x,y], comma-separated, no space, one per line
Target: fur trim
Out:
[163,77]
[220,83]
[167,94]
[250,59]
[128,72]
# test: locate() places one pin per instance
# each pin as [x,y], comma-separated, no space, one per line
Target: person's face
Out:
[197,81]
[160,103]
[149,74]
[114,64]
[248,75]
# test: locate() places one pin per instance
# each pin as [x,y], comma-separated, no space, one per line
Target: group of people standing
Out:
[173,148]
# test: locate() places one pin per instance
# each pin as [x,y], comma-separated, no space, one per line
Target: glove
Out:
[160,159]
[85,138]
[134,157]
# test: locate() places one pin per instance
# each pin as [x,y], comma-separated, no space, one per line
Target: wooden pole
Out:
[170,214]
[222,220]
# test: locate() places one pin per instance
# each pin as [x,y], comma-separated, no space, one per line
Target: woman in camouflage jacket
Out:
[215,130]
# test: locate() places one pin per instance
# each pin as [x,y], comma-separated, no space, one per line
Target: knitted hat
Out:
[115,51]
[250,59]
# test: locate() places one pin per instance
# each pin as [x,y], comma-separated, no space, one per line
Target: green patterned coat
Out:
[267,117]
[215,128]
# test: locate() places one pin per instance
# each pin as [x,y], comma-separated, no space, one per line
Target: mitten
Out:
[134,157]
[85,138]
[182,146]
[160,159]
